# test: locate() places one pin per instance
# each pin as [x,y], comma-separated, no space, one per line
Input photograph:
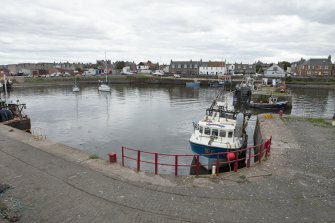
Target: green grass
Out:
[319,121]
[93,156]
[316,121]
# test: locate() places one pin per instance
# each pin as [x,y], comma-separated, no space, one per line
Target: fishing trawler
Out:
[11,114]
[220,131]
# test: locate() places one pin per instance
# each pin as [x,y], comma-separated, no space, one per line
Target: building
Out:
[144,66]
[91,72]
[261,67]
[212,68]
[230,69]
[274,71]
[245,68]
[185,68]
[313,67]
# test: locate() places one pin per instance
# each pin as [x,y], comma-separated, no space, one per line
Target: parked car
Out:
[176,76]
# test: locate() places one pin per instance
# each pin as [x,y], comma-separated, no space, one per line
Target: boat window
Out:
[230,134]
[215,132]
[200,129]
[222,133]
[207,131]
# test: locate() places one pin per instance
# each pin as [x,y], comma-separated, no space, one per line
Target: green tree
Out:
[259,69]
[120,64]
[284,64]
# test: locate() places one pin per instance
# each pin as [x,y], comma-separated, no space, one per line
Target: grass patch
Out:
[319,121]
[93,156]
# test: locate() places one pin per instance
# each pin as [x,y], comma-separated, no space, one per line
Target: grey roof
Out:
[322,61]
[187,62]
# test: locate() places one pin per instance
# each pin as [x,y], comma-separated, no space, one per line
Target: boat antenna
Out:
[4,79]
[106,67]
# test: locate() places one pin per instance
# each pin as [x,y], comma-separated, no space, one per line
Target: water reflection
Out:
[313,102]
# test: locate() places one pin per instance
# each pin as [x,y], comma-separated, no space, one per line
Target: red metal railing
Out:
[264,149]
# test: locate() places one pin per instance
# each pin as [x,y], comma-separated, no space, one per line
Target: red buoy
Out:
[230,156]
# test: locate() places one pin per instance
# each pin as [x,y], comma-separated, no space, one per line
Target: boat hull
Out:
[193,84]
[206,159]
[278,105]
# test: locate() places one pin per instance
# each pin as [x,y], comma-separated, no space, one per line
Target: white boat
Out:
[220,131]
[75,88]
[158,73]
[104,87]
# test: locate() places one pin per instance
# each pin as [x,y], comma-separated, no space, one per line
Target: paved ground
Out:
[54,183]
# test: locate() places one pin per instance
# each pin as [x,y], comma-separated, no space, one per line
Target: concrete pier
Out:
[56,183]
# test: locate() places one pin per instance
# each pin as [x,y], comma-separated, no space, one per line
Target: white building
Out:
[90,72]
[274,71]
[231,68]
[212,68]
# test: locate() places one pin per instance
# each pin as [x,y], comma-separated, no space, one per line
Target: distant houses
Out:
[274,71]
[212,68]
[186,68]
[313,67]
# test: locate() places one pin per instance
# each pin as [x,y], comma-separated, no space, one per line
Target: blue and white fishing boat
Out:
[220,131]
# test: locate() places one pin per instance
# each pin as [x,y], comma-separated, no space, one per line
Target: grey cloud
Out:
[163,30]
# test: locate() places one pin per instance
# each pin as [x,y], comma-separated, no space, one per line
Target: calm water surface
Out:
[153,118]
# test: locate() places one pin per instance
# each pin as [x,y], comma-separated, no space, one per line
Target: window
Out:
[222,133]
[326,67]
[200,129]
[215,132]
[195,65]
[207,131]
[179,66]
[185,65]
[230,134]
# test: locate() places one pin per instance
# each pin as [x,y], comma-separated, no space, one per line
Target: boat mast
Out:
[106,67]
[4,79]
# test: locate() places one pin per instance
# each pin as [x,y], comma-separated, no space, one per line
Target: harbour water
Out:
[152,117]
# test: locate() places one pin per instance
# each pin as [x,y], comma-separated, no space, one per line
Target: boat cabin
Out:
[221,130]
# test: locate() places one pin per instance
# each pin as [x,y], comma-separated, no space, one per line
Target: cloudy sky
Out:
[161,30]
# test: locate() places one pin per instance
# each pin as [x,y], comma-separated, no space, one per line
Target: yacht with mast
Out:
[104,84]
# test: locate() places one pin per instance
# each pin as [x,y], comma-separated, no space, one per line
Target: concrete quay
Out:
[51,182]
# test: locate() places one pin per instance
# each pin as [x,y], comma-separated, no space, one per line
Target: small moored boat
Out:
[193,84]
[272,103]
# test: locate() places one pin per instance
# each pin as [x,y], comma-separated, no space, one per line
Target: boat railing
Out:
[157,160]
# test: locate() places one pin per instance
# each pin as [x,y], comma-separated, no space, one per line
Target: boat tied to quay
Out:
[218,134]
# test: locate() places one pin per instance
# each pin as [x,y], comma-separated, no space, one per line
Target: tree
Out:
[284,64]
[120,64]
[259,69]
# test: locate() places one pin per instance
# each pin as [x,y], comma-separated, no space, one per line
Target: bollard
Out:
[112,157]
[213,171]
[281,112]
